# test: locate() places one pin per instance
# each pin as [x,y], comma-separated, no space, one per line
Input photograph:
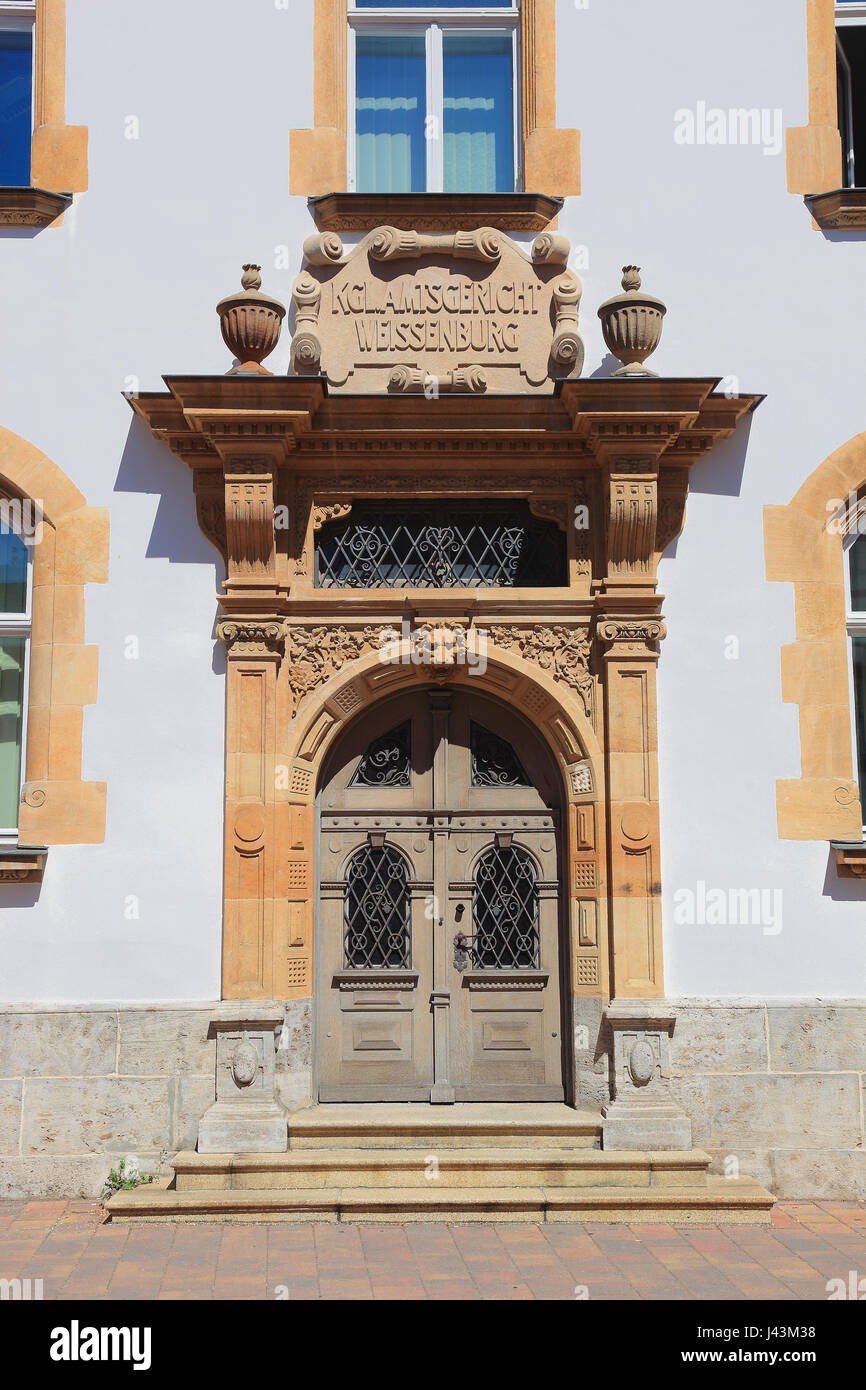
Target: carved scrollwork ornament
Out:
[631,633]
[563,652]
[306,344]
[252,637]
[567,351]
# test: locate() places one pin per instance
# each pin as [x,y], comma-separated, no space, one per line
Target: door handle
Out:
[463,948]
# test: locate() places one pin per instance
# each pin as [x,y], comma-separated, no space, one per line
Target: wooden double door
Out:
[438,920]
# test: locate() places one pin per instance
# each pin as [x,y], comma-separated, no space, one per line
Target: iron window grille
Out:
[376,910]
[494,761]
[505,911]
[446,545]
[387,761]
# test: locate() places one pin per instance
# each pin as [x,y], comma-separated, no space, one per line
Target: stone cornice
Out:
[247,438]
[435,212]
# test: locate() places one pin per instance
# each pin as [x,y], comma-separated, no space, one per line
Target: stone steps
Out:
[473,1166]
[459,1126]
[491,1162]
[739,1200]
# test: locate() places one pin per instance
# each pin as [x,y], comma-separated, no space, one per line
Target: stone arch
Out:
[803,546]
[57,806]
[557,711]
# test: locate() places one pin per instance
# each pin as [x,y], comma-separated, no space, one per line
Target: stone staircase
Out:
[445,1163]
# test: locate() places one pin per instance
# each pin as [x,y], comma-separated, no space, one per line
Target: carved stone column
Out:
[254,647]
[631,745]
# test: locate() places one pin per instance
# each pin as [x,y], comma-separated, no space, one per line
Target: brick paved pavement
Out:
[64,1244]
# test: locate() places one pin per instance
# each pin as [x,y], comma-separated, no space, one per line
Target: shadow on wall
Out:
[147,466]
[18,895]
[839,888]
[720,472]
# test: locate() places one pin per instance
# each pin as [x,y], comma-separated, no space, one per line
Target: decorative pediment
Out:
[460,312]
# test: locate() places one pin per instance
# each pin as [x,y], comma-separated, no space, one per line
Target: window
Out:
[376,910]
[447,545]
[15,588]
[505,911]
[432,89]
[388,760]
[16,91]
[855,605]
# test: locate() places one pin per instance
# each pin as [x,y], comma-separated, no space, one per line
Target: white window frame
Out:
[21,16]
[434,22]
[848,133]
[20,625]
[855,626]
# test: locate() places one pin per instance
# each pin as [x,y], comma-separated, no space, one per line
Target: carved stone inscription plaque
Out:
[462,312]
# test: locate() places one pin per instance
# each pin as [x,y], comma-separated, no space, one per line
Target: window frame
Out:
[20,625]
[16,18]
[434,21]
[855,626]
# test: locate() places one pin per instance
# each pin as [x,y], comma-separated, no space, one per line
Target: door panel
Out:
[447,826]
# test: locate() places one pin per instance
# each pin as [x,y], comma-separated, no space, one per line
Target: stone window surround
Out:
[57,806]
[823,803]
[814,151]
[58,151]
[551,157]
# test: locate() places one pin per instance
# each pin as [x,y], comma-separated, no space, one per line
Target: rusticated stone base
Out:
[772,1087]
[83,1086]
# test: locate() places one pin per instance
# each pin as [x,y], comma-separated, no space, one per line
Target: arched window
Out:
[855,617]
[15,590]
[376,910]
[505,911]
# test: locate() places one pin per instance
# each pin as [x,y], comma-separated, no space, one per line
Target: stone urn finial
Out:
[632,325]
[250,323]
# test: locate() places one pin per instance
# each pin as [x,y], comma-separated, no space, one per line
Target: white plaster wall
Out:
[752,291]
[127,289]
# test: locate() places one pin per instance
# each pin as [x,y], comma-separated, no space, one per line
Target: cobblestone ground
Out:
[66,1245]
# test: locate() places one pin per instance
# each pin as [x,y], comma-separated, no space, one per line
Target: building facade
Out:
[408,695]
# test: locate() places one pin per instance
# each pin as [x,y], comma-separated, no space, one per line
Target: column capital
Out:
[631,638]
[253,637]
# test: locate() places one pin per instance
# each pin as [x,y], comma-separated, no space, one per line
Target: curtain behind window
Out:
[479,114]
[390,111]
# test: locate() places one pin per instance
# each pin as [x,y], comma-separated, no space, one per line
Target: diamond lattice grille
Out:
[505,911]
[376,910]
[440,546]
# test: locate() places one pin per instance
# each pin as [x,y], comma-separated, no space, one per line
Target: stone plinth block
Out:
[639,1125]
[643,1113]
[245,1127]
[246,1117]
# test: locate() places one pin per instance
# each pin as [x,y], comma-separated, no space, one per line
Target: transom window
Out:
[445,545]
[15,588]
[432,96]
[17,23]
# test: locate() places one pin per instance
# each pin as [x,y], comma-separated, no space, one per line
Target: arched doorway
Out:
[439,966]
